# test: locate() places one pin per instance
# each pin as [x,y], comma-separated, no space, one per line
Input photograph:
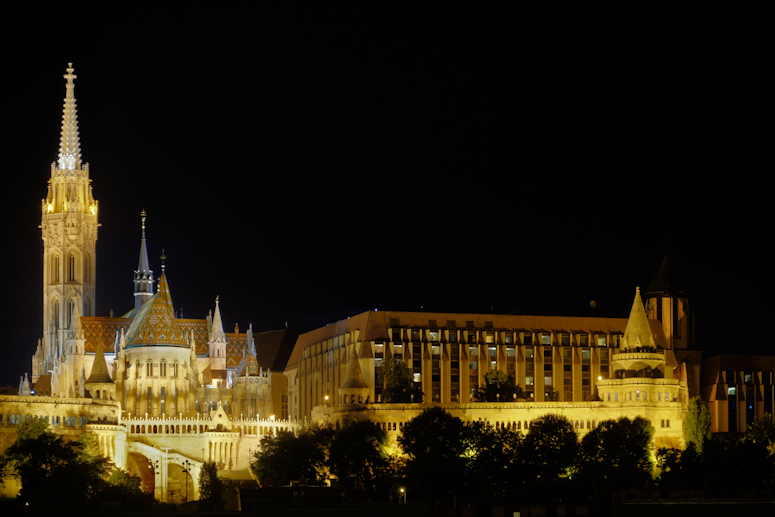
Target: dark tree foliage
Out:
[761,431]
[435,444]
[617,454]
[494,462]
[396,379]
[696,425]
[551,449]
[498,388]
[360,450]
[210,486]
[55,473]
[288,457]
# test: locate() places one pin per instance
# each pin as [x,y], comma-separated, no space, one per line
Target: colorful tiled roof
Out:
[155,324]
[42,386]
[102,331]
[248,366]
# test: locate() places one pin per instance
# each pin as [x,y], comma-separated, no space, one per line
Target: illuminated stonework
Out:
[69,230]
[147,381]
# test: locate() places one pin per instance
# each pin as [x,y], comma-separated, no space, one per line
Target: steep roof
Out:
[273,348]
[638,331]
[99,370]
[353,377]
[155,324]
[666,283]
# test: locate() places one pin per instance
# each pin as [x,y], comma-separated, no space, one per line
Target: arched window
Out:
[163,368]
[71,268]
[56,267]
[150,400]
[70,310]
[149,369]
[163,399]
[55,312]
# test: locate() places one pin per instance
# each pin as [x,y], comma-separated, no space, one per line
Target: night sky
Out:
[307,165]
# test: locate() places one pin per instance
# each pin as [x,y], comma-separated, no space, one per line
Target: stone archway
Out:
[180,484]
[140,466]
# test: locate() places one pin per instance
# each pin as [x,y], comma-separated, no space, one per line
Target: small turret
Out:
[353,389]
[143,281]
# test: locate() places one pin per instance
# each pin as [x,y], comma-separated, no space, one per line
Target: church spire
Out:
[143,276]
[217,335]
[69,143]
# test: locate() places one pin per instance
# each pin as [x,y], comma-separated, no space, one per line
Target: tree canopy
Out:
[618,453]
[696,425]
[288,457]
[397,382]
[360,450]
[60,473]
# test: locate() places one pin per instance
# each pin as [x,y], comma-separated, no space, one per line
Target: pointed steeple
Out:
[143,276]
[638,331]
[99,370]
[217,335]
[69,142]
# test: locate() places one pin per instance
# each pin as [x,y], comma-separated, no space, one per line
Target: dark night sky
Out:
[308,165]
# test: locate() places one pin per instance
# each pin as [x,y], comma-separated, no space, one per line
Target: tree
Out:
[617,453]
[288,457]
[397,381]
[696,425]
[498,387]
[493,461]
[435,444]
[551,449]
[360,450]
[210,486]
[761,431]
[54,472]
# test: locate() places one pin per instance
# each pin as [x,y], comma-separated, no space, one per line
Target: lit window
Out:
[731,391]
[601,341]
[417,377]
[434,335]
[546,339]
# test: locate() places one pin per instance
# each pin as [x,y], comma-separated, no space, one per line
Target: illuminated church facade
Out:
[162,394]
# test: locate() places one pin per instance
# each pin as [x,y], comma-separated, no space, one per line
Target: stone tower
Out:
[69,230]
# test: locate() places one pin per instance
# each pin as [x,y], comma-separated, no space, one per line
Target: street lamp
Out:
[403,494]
[186,473]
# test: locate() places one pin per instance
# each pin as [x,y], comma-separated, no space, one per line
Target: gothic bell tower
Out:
[69,230]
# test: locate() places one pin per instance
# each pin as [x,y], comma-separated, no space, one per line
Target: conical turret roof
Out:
[638,331]
[155,324]
[99,370]
[354,376]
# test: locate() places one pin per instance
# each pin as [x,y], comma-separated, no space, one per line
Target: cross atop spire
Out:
[69,142]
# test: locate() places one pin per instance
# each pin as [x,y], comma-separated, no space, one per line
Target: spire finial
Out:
[163,257]
[69,143]
[142,219]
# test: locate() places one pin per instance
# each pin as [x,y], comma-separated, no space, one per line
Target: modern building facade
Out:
[590,369]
